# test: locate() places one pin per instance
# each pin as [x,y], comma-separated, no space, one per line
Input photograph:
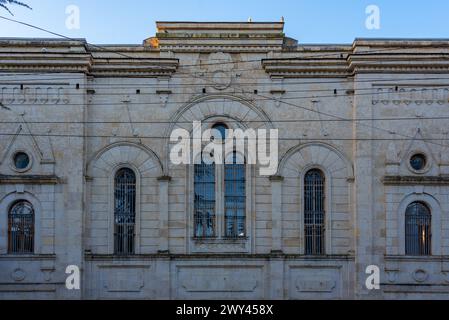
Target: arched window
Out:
[21,228]
[204,202]
[314,212]
[235,198]
[418,229]
[124,211]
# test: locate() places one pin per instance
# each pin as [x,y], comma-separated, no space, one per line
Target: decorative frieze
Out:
[30,179]
[406,95]
[34,94]
[416,180]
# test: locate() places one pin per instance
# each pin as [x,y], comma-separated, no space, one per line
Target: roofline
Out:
[324,44]
[401,39]
[43,38]
[133,45]
[83,41]
[223,22]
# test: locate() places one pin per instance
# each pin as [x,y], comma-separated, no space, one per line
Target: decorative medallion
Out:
[18,275]
[420,275]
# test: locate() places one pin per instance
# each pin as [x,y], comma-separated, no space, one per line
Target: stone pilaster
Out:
[276,213]
[163,213]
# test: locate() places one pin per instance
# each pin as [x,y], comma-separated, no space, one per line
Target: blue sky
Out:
[309,21]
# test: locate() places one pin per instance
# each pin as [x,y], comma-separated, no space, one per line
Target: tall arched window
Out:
[235,198]
[21,228]
[204,202]
[124,211]
[314,212]
[418,229]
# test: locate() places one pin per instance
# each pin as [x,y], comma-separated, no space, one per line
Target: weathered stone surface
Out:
[357,112]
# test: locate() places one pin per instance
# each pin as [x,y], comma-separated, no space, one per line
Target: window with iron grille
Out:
[418,229]
[235,198]
[21,228]
[314,212]
[204,202]
[124,211]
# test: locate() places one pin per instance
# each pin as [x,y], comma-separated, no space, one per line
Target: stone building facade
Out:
[369,119]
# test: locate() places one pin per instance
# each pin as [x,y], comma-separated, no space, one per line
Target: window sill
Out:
[9,256]
[220,245]
[217,239]
[416,258]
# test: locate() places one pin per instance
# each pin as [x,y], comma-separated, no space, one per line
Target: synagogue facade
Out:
[87,181]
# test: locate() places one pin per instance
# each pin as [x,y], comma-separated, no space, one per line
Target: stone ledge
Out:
[229,256]
[27,257]
[29,287]
[414,180]
[390,258]
[30,179]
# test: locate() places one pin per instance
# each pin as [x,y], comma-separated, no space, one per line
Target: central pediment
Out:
[218,36]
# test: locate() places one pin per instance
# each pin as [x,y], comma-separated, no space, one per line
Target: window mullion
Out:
[220,188]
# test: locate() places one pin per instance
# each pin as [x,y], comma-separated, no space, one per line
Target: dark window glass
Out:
[204,202]
[21,228]
[235,199]
[21,160]
[314,196]
[418,230]
[418,162]
[124,211]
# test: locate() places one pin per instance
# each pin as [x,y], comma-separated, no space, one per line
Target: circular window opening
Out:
[221,128]
[418,162]
[21,160]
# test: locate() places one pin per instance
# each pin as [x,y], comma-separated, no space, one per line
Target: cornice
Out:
[356,63]
[49,62]
[365,56]
[30,179]
[60,62]
[416,180]
[398,62]
[148,67]
[218,36]
[224,47]
[302,67]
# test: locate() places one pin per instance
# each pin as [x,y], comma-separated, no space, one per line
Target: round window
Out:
[418,162]
[21,160]
[221,128]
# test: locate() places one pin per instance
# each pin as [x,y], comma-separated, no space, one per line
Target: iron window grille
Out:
[21,228]
[418,234]
[314,212]
[235,198]
[124,211]
[204,202]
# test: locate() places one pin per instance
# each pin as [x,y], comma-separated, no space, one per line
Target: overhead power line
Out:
[340,54]
[305,138]
[416,118]
[270,98]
